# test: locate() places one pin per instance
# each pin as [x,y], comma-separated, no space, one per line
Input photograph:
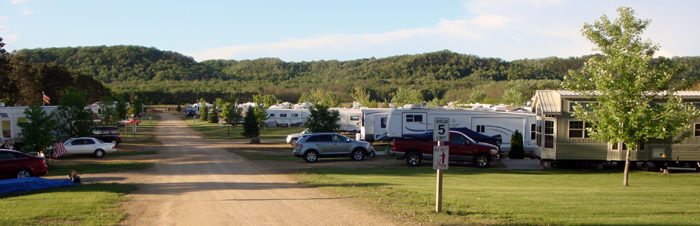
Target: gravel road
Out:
[195,181]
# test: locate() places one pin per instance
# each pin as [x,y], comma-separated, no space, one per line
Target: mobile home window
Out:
[22,120]
[480,128]
[295,115]
[586,106]
[414,118]
[577,129]
[533,131]
[697,129]
[272,115]
[283,115]
[6,129]
[383,122]
[549,134]
[354,118]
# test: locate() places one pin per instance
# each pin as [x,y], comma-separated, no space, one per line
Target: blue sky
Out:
[305,30]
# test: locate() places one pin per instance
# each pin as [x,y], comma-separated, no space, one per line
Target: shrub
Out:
[250,124]
[517,151]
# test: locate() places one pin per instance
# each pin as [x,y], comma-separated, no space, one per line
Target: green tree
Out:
[318,96]
[514,97]
[323,120]
[407,96]
[517,150]
[263,102]
[629,85]
[178,109]
[39,131]
[231,112]
[437,102]
[136,105]
[214,117]
[75,119]
[361,96]
[109,113]
[477,97]
[121,110]
[204,112]
[250,124]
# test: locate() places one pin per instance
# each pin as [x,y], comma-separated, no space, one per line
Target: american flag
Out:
[58,150]
[46,98]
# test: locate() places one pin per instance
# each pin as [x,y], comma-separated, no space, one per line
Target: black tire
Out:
[358,154]
[413,159]
[311,156]
[294,141]
[23,173]
[99,153]
[481,160]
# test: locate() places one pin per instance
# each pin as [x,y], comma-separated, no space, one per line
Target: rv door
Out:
[379,127]
[414,123]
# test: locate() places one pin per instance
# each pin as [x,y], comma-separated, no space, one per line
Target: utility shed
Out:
[562,137]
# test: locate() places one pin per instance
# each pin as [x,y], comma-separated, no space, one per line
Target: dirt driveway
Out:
[195,181]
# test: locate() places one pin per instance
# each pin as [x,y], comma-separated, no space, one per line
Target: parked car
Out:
[292,138]
[462,149]
[88,145]
[15,164]
[107,134]
[128,122]
[495,140]
[321,145]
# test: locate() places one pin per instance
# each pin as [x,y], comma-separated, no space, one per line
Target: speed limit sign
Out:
[442,129]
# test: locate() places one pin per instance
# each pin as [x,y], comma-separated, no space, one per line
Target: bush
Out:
[517,151]
[179,109]
[204,112]
[214,117]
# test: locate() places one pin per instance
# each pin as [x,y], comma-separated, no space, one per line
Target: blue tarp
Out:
[32,183]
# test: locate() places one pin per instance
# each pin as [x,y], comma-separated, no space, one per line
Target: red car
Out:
[15,164]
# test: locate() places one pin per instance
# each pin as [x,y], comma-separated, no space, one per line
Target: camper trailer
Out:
[562,137]
[350,119]
[373,124]
[287,117]
[414,119]
[9,119]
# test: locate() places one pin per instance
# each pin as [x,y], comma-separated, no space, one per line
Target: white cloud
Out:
[18,1]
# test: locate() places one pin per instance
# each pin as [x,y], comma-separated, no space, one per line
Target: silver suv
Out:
[319,145]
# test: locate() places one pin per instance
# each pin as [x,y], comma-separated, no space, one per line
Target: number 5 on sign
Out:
[442,129]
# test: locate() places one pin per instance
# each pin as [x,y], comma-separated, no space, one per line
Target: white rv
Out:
[11,116]
[373,126]
[350,119]
[287,117]
[414,119]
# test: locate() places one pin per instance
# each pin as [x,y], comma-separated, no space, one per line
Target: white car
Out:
[292,138]
[88,145]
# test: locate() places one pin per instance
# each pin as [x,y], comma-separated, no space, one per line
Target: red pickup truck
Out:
[462,149]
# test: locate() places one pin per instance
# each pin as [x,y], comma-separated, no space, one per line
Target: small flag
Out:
[46,98]
[58,150]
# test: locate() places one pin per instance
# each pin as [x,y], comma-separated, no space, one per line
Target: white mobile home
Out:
[562,137]
[287,117]
[414,119]
[350,119]
[11,116]
[373,125]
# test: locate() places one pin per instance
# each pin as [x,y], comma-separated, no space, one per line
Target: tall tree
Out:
[39,131]
[323,120]
[263,102]
[407,96]
[75,119]
[629,84]
[231,112]
[250,124]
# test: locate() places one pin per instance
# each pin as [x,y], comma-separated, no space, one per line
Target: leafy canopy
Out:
[629,85]
[39,131]
[323,120]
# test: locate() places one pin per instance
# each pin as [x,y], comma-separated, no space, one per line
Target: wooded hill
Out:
[168,77]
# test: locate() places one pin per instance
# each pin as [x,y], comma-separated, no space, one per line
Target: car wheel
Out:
[294,141]
[413,159]
[358,154]
[23,173]
[481,161]
[311,156]
[99,153]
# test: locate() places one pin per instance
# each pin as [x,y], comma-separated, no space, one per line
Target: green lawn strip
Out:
[519,197]
[213,131]
[92,204]
[145,131]
[132,153]
[96,167]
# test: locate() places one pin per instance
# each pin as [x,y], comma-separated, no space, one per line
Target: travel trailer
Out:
[9,119]
[350,119]
[287,117]
[373,124]
[414,119]
[562,137]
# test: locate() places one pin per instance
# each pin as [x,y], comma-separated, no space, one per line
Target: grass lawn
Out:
[96,167]
[519,197]
[144,131]
[94,204]
[213,131]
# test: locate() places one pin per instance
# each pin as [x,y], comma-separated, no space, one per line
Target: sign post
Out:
[441,155]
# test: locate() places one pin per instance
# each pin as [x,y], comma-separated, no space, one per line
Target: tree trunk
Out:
[627,169]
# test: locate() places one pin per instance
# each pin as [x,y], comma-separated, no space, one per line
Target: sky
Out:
[306,30]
